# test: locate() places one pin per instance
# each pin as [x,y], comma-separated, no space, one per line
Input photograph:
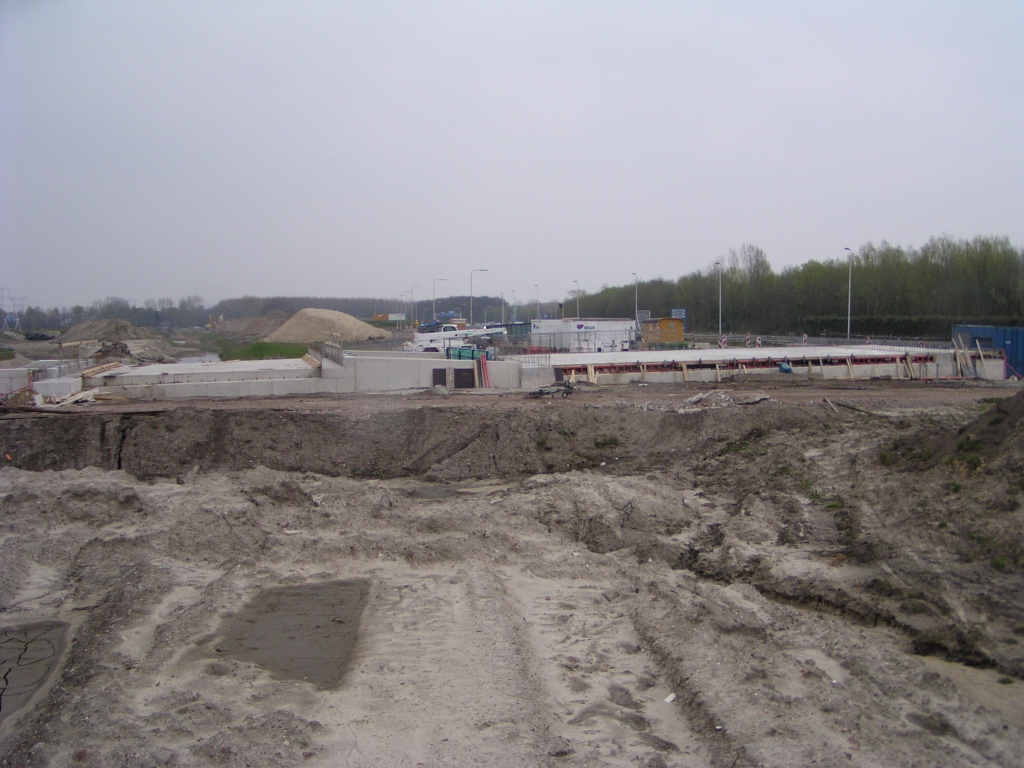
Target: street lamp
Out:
[538,300]
[577,298]
[513,306]
[719,265]
[471,295]
[502,308]
[636,298]
[849,293]
[433,296]
[412,300]
[401,301]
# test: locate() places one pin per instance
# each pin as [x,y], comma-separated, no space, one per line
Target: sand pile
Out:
[106,330]
[15,362]
[309,325]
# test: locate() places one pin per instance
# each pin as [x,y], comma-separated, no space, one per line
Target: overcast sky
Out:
[219,148]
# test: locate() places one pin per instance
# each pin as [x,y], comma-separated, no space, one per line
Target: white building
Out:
[584,334]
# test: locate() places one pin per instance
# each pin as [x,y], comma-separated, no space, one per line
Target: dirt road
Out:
[643,576]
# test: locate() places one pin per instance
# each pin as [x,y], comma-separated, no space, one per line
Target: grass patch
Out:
[606,441]
[954,487]
[999,563]
[542,443]
[1006,681]
[885,459]
[6,353]
[260,350]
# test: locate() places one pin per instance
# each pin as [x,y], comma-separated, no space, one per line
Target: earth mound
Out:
[256,327]
[309,325]
[106,330]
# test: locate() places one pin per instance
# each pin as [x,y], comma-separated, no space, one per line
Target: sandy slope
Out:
[762,568]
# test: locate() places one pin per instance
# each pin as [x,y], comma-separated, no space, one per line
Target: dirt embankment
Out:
[443,443]
[552,585]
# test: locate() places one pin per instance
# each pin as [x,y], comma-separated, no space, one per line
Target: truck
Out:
[449,336]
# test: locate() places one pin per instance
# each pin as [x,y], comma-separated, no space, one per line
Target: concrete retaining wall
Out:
[12,379]
[58,388]
[532,378]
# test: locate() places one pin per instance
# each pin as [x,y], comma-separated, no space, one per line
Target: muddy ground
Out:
[655,576]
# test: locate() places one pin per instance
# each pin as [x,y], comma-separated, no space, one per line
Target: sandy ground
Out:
[642,576]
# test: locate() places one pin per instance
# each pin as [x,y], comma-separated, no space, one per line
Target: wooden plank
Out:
[311,361]
[686,373]
[98,369]
[849,365]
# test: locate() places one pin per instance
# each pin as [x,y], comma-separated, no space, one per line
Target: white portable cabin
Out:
[584,334]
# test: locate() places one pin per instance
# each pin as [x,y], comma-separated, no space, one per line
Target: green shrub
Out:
[606,441]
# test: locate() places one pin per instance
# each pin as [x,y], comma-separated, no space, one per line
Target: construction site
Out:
[512,555]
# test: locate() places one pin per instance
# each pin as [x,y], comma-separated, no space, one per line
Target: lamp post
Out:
[401,301]
[513,306]
[471,295]
[412,300]
[538,300]
[577,298]
[849,292]
[433,296]
[636,298]
[502,308]
[719,265]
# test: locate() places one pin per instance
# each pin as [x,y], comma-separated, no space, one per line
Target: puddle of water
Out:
[983,686]
[29,655]
[298,633]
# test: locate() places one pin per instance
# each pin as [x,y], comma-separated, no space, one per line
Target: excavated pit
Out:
[599,581]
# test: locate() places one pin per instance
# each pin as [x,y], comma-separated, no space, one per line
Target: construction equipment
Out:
[566,388]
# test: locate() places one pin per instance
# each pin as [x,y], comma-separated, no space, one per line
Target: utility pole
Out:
[849,293]
[412,300]
[471,295]
[636,298]
[538,300]
[433,296]
[577,298]
[719,263]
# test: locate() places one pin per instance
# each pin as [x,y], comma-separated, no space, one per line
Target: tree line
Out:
[897,291]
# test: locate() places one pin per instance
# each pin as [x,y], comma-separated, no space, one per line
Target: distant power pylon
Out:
[13,307]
